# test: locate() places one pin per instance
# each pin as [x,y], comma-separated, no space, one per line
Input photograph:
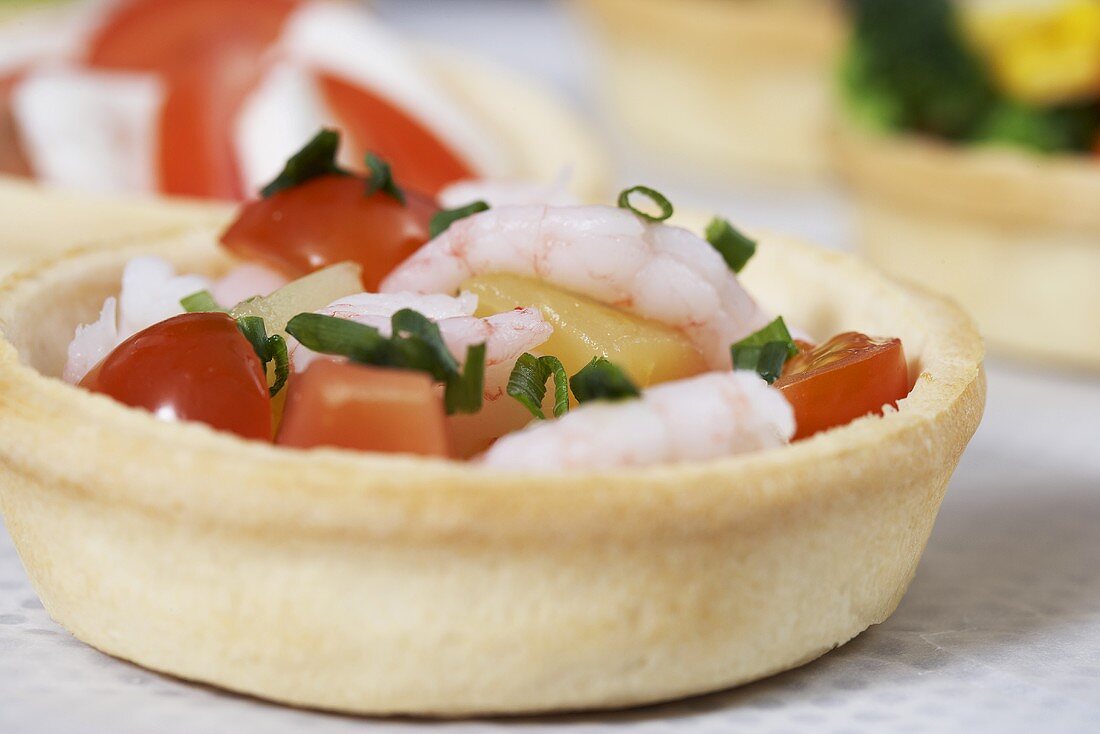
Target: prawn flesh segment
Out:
[711,416]
[655,271]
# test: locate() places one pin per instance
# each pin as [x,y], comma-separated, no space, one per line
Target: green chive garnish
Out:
[317,158]
[602,380]
[527,384]
[766,351]
[267,348]
[200,302]
[735,248]
[441,220]
[380,178]
[655,197]
[415,344]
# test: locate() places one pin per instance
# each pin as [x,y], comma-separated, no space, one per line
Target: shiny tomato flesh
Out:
[193,367]
[422,161]
[161,35]
[351,406]
[328,220]
[847,377]
[13,161]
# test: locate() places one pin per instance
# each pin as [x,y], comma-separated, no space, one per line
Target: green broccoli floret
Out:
[1046,130]
[908,57]
[909,68]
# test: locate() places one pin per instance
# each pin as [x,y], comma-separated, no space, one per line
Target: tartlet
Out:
[970,140]
[1013,236]
[390,585]
[741,89]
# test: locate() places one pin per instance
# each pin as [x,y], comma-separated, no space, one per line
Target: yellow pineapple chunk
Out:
[650,352]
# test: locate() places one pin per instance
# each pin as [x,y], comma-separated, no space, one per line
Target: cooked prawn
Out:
[659,272]
[706,417]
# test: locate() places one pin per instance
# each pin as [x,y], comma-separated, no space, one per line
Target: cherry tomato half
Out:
[194,367]
[13,161]
[328,220]
[374,124]
[364,408]
[160,35]
[847,377]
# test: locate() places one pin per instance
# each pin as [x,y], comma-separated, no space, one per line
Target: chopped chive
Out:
[464,391]
[735,248]
[527,384]
[443,219]
[316,158]
[267,348]
[773,356]
[602,380]
[380,178]
[408,321]
[330,335]
[415,344]
[765,352]
[776,331]
[655,197]
[200,302]
[745,358]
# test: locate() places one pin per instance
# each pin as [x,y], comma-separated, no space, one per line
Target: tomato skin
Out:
[13,160]
[352,406]
[192,367]
[423,161]
[328,220]
[848,377]
[160,35]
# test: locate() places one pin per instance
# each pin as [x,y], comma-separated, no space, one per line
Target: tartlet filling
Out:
[363,315]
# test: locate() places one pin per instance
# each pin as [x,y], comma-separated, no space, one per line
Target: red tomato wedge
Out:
[13,161]
[351,406]
[196,151]
[160,35]
[847,377]
[328,220]
[194,367]
[374,124]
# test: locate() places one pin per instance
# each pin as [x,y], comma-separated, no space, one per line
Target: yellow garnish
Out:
[1041,53]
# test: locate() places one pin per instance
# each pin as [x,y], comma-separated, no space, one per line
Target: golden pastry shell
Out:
[384,584]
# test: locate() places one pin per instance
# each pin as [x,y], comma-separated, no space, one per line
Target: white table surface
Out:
[999,632]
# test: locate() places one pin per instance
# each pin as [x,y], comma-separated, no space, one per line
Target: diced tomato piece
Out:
[848,377]
[328,220]
[13,161]
[351,406]
[193,367]
[424,162]
[160,35]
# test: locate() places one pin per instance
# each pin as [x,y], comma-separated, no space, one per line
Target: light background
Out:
[999,632]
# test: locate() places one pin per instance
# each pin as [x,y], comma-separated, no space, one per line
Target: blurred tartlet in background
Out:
[971,140]
[739,88]
[205,99]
